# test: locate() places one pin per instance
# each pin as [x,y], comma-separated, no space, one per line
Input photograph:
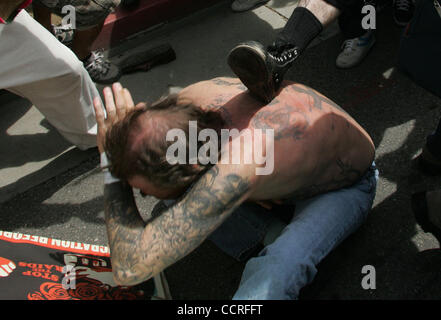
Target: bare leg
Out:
[323,11]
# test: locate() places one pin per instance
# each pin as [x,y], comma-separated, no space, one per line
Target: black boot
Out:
[262,70]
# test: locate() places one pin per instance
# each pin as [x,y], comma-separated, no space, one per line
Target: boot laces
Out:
[97,64]
[402,5]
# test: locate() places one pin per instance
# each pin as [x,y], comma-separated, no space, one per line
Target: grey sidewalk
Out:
[59,191]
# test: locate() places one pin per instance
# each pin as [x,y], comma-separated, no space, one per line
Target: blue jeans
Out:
[319,224]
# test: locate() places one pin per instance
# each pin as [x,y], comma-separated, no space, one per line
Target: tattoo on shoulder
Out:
[233,83]
[317,98]
[287,122]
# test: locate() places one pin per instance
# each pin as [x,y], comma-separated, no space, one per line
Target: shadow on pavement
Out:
[396,113]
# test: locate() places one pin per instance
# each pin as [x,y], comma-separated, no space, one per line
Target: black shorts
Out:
[345,5]
[88,13]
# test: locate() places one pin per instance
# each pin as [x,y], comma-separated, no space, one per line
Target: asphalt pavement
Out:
[51,189]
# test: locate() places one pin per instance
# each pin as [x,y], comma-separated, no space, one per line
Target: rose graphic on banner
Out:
[86,289]
[41,268]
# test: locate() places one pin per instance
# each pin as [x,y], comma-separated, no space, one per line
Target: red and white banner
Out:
[41,268]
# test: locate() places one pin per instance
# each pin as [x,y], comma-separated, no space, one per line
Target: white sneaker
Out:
[244,5]
[354,50]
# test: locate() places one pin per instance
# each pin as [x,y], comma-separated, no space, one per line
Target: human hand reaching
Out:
[119,103]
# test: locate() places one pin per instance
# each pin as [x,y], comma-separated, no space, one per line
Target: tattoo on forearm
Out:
[139,253]
[124,227]
[185,226]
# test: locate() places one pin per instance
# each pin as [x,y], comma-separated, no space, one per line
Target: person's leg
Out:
[90,21]
[350,21]
[262,69]
[306,22]
[434,142]
[319,225]
[358,41]
[52,78]
[43,15]
[83,40]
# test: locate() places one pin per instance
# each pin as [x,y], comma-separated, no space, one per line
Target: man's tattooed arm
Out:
[140,251]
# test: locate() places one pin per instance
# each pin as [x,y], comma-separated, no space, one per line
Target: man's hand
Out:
[118,105]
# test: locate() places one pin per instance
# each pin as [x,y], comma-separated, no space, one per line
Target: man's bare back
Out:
[317,146]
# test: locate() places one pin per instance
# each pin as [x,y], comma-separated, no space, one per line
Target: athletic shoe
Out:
[261,70]
[63,34]
[100,69]
[244,5]
[354,50]
[403,11]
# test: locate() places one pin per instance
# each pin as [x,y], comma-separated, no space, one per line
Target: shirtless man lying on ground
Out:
[322,160]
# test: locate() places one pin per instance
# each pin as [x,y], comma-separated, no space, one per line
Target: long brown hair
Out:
[138,146]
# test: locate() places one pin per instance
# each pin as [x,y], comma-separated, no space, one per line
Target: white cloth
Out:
[36,66]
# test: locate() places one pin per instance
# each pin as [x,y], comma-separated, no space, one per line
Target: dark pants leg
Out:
[350,21]
[434,142]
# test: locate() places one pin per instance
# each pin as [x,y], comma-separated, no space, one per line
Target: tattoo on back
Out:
[223,82]
[346,177]
[317,98]
[287,122]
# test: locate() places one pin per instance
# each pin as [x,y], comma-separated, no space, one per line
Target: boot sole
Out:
[248,62]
